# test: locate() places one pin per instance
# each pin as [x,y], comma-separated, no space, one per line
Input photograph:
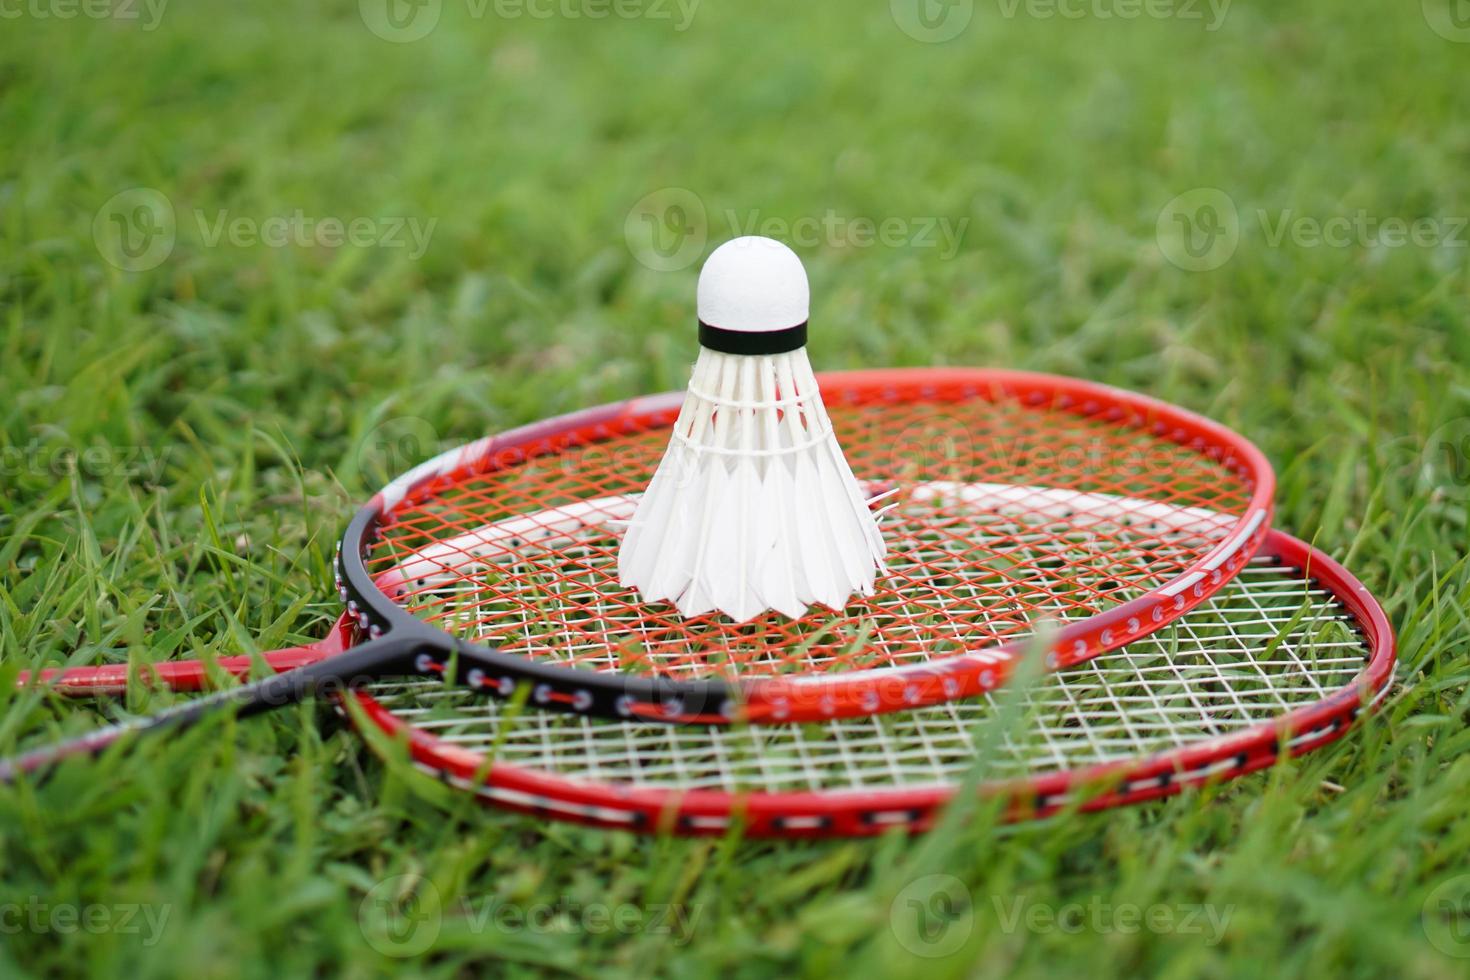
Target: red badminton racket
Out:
[1016,500]
[1281,661]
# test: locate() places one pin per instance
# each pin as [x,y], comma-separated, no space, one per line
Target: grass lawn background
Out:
[227,407]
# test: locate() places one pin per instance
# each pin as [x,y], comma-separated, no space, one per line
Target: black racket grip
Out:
[377,658]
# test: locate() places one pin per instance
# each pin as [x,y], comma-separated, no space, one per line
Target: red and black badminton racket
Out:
[1280,662]
[1017,500]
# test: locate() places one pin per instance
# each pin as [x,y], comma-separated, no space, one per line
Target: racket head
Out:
[1283,694]
[1076,472]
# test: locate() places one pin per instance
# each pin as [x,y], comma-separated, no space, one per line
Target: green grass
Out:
[228,406]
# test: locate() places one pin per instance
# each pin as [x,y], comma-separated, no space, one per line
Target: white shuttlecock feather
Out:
[753,506]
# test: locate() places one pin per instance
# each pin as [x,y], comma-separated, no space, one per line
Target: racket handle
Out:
[390,654]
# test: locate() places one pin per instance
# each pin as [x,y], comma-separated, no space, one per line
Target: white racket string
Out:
[1268,643]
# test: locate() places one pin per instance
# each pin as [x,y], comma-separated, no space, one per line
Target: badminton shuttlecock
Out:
[753,506]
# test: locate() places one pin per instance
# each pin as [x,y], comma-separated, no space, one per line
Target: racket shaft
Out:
[372,660]
[175,675]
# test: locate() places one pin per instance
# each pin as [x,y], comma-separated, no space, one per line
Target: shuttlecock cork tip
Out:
[753,298]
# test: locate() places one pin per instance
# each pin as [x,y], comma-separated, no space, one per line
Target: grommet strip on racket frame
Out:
[1281,662]
[1018,500]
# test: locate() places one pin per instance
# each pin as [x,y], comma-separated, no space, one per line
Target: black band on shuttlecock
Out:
[748,342]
